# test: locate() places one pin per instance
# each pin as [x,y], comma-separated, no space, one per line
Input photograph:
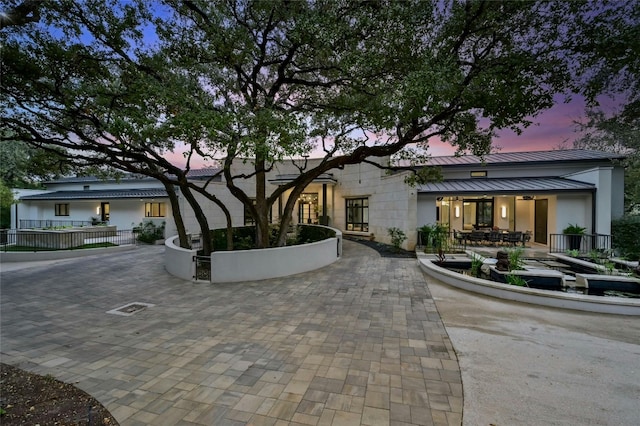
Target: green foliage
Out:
[253,82]
[573,230]
[625,233]
[516,280]
[476,264]
[312,234]
[6,200]
[244,236]
[573,253]
[515,258]
[435,237]
[148,232]
[24,166]
[397,237]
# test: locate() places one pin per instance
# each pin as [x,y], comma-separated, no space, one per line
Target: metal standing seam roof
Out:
[128,177]
[573,155]
[286,178]
[505,186]
[99,195]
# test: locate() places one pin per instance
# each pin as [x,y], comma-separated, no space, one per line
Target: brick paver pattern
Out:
[356,343]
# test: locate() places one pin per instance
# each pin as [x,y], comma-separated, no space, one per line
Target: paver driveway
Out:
[359,342]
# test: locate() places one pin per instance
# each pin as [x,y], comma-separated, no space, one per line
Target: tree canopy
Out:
[123,83]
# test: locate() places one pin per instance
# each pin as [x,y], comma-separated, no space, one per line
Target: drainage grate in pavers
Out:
[130,308]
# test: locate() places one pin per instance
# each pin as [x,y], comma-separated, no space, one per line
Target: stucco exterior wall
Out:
[571,209]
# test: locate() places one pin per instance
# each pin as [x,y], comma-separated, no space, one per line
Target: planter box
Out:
[608,282]
[62,239]
[104,231]
[57,240]
[535,278]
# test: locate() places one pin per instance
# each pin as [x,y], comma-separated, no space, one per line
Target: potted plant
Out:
[574,233]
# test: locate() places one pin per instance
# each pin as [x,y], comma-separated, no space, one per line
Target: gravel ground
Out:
[30,399]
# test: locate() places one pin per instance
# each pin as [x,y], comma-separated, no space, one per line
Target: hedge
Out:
[625,233]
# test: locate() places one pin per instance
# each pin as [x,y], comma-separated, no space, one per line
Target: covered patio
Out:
[505,211]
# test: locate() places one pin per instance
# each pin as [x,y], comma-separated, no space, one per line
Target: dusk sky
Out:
[551,129]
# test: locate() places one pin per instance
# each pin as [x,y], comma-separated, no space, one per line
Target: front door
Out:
[308,208]
[540,229]
[104,209]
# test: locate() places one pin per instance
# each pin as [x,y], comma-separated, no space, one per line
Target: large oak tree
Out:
[262,82]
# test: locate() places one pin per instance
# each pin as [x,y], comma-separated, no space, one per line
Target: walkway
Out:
[359,342]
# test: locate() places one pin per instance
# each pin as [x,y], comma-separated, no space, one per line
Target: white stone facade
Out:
[391,201]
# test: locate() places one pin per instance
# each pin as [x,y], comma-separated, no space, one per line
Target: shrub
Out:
[434,237]
[148,232]
[625,233]
[397,237]
[476,265]
[574,230]
[244,237]
[311,234]
[515,258]
[516,280]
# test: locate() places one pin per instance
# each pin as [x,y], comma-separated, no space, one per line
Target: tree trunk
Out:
[177,215]
[287,213]
[262,208]
[224,209]
[200,217]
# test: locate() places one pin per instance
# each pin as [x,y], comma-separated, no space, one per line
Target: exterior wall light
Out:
[457,211]
[504,212]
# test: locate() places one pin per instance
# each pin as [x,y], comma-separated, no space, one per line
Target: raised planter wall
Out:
[579,302]
[179,261]
[60,239]
[253,265]
[608,282]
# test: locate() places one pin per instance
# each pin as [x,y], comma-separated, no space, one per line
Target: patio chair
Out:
[460,237]
[513,238]
[494,237]
[476,237]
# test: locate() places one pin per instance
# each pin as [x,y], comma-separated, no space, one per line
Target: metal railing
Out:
[26,240]
[50,224]
[448,241]
[584,244]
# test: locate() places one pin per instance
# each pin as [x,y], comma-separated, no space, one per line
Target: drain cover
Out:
[130,308]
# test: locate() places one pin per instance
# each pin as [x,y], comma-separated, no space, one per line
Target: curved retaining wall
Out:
[578,302]
[252,265]
[258,264]
[179,261]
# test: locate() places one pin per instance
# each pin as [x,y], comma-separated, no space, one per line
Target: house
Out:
[538,191]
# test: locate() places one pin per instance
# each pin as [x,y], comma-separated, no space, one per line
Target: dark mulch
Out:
[31,399]
[385,250]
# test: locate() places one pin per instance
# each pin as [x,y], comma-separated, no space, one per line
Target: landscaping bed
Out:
[30,399]
[385,250]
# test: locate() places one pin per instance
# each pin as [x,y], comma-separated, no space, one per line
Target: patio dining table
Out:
[512,237]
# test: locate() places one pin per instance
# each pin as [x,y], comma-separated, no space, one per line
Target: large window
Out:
[62,209]
[358,214]
[478,213]
[154,210]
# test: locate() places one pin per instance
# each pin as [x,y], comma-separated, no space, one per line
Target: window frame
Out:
[361,212]
[61,209]
[149,209]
